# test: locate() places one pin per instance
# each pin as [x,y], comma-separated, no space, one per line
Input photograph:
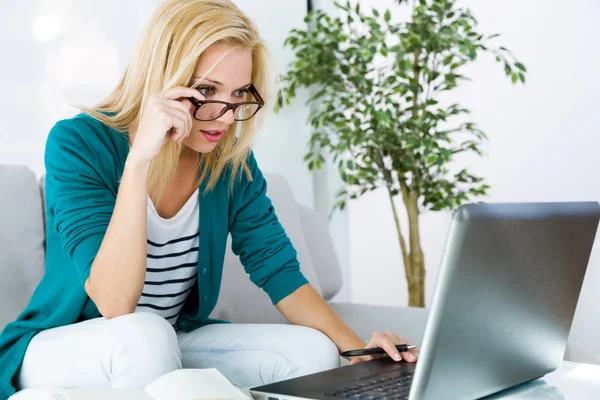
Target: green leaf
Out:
[432,159]
[387,16]
[520,66]
[514,78]
[448,59]
[375,13]
[382,115]
[522,77]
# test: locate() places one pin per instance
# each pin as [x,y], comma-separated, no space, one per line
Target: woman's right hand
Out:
[164,118]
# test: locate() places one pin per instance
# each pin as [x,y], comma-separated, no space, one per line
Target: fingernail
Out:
[397,357]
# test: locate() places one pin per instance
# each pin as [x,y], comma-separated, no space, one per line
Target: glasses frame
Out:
[229,106]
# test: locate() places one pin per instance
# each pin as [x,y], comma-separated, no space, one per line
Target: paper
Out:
[183,384]
[107,394]
[194,384]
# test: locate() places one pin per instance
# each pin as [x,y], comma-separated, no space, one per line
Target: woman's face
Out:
[228,82]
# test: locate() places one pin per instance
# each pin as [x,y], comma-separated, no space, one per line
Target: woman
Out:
[142,191]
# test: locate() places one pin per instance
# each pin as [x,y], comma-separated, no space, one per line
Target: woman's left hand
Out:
[387,341]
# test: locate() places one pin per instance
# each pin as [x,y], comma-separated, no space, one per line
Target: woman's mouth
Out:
[213,136]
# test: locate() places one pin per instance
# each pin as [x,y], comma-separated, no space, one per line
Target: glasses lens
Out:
[210,111]
[245,111]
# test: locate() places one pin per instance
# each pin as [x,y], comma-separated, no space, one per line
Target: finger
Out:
[179,110]
[180,106]
[184,112]
[188,104]
[178,124]
[357,360]
[172,109]
[386,342]
[181,91]
[409,355]
[190,109]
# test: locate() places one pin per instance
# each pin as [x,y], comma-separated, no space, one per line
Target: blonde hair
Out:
[165,57]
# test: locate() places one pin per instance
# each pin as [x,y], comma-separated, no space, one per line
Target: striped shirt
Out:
[172,259]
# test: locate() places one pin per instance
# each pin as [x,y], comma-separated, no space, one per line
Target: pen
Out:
[376,350]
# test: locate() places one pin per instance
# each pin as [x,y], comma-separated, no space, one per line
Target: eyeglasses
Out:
[209,110]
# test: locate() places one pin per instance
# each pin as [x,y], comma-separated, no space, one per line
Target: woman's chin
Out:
[200,146]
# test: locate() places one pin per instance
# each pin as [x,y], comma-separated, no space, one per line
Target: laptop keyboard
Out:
[386,388]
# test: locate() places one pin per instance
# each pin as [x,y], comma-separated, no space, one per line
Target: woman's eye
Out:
[240,93]
[206,90]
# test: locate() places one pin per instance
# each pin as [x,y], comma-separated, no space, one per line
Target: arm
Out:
[306,307]
[259,239]
[103,232]
[117,275]
[269,257]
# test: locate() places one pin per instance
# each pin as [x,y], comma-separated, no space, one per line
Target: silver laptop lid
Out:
[506,295]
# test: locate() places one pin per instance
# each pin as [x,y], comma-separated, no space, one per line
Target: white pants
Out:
[135,349]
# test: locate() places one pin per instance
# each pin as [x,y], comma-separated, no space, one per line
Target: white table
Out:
[571,381]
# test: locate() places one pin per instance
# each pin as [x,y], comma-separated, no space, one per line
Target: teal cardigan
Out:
[84,162]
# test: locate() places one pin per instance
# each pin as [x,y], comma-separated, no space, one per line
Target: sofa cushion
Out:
[240,300]
[21,239]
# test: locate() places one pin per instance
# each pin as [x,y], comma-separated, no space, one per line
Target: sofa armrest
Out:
[364,319]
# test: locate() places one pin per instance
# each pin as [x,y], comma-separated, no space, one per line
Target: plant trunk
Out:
[416,280]
[405,254]
[416,288]
[414,263]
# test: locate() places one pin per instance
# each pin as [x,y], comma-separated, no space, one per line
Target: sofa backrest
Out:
[319,243]
[21,239]
[241,301]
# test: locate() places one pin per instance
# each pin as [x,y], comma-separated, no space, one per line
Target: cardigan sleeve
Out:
[259,239]
[80,194]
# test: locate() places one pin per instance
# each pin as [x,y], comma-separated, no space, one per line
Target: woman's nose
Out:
[227,118]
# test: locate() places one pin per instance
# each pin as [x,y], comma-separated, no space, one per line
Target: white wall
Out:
[282,144]
[543,138]
[80,62]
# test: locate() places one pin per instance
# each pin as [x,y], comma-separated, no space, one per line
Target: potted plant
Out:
[378,107]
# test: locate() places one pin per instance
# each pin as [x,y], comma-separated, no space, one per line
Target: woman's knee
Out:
[319,349]
[309,351]
[131,350]
[145,349]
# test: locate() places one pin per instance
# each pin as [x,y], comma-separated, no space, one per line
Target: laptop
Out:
[501,313]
